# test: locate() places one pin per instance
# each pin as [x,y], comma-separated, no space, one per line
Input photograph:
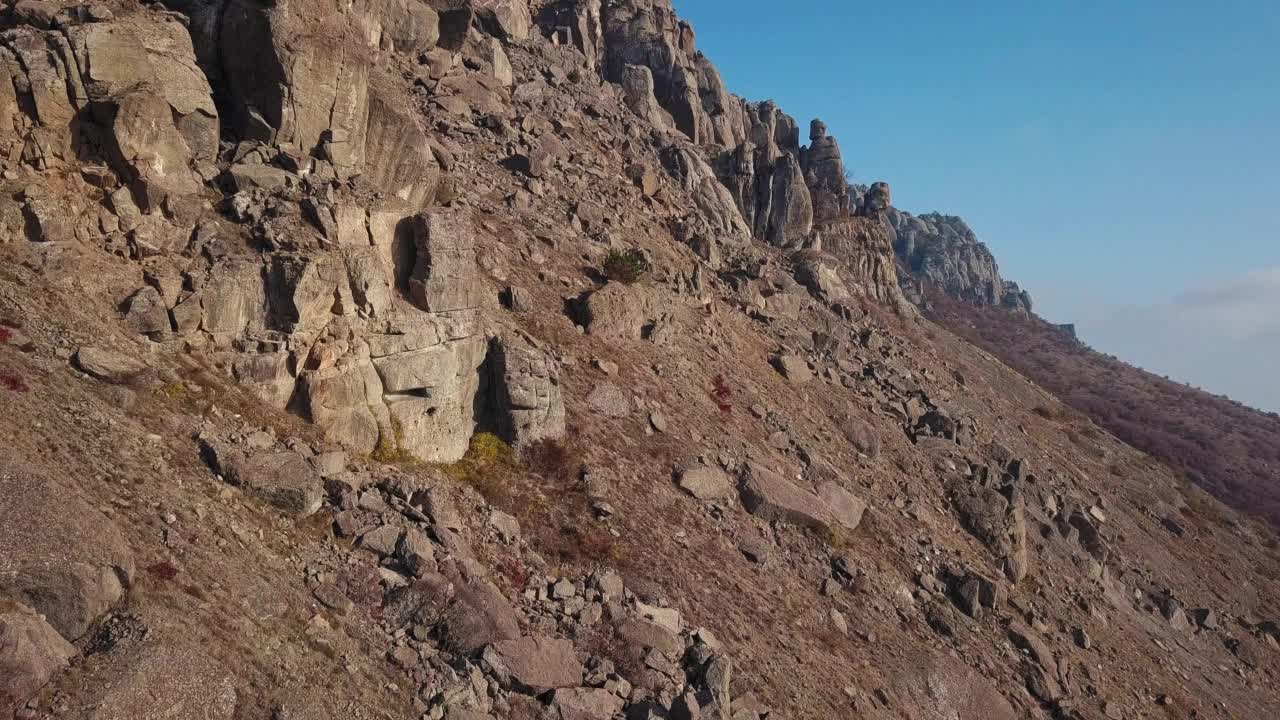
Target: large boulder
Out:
[445,275]
[31,651]
[478,615]
[509,19]
[59,555]
[637,92]
[768,495]
[624,312]
[537,664]
[285,478]
[704,482]
[527,398]
[998,519]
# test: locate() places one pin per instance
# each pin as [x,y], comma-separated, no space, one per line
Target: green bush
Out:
[626,266]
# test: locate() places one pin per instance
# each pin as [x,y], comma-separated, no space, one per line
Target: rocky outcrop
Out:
[942,251]
[528,403]
[648,33]
[126,93]
[824,175]
[334,96]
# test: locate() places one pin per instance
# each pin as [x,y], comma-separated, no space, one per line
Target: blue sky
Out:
[1122,158]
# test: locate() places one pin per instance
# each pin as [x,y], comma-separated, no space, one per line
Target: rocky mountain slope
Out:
[1225,447]
[488,358]
[940,253]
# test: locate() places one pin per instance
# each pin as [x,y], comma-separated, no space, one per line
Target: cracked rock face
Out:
[942,250]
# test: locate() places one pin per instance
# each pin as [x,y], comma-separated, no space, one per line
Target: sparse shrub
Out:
[575,76]
[390,450]
[514,571]
[574,544]
[484,467]
[722,394]
[552,459]
[162,571]
[626,266]
[172,391]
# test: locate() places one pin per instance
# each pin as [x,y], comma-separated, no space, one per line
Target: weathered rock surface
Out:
[586,704]
[528,401]
[538,664]
[284,479]
[704,482]
[942,251]
[479,615]
[109,365]
[58,555]
[31,651]
[771,497]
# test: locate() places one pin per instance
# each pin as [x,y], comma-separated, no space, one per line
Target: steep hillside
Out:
[488,358]
[1227,448]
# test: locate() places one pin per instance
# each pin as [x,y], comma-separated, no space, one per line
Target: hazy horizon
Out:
[1122,163]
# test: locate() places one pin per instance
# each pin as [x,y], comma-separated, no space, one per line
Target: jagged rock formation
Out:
[942,251]
[486,358]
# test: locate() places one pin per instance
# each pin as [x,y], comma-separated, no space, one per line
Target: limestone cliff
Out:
[943,251]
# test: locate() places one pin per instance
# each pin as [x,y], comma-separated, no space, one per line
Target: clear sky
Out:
[1121,158]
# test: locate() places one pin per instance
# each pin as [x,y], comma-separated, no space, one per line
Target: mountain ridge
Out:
[466,359]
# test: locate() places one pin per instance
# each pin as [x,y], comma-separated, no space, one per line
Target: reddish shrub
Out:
[722,394]
[514,571]
[5,334]
[12,383]
[162,571]
[552,459]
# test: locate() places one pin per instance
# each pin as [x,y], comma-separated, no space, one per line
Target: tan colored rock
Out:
[705,482]
[445,275]
[526,386]
[537,664]
[767,495]
[638,93]
[109,365]
[793,368]
[645,634]
[343,400]
[586,704]
[510,19]
[846,508]
[31,652]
